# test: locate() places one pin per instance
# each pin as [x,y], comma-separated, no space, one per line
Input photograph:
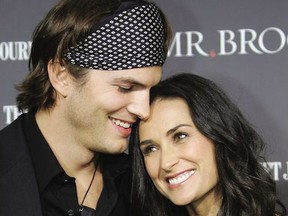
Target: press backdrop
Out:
[241,45]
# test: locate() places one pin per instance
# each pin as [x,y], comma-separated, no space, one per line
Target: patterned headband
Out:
[133,37]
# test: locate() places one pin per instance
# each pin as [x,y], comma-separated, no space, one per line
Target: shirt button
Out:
[70,212]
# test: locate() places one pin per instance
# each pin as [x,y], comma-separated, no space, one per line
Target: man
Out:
[92,64]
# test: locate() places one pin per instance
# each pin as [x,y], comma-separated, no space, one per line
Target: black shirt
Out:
[58,190]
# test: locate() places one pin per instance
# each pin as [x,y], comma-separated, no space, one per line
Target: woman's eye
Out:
[179,136]
[148,149]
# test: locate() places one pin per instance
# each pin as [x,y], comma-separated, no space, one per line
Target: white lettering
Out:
[282,40]
[191,43]
[193,40]
[273,167]
[177,43]
[17,50]
[285,175]
[244,41]
[241,42]
[11,112]
[224,41]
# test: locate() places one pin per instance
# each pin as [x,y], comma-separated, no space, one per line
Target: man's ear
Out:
[59,77]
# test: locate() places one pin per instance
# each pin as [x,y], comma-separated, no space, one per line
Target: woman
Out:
[199,152]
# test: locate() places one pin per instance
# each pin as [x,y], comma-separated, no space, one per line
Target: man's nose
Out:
[140,105]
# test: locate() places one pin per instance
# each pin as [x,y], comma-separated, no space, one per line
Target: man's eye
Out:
[148,149]
[125,88]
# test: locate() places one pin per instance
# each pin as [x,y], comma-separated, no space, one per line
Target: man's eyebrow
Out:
[172,130]
[129,81]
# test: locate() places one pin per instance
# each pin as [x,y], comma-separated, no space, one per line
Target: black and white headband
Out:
[133,37]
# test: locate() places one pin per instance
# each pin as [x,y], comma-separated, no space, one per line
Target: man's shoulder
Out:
[17,179]
[116,164]
[116,160]
[13,129]
[12,144]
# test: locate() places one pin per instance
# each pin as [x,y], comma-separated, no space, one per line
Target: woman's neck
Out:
[209,205]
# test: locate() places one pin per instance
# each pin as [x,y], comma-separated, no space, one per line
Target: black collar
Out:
[47,166]
[44,161]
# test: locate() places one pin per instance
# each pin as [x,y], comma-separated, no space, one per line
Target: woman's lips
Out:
[180,178]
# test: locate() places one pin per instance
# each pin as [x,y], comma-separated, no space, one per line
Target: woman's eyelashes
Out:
[147,149]
[179,136]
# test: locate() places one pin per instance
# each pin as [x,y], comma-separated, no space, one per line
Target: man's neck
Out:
[76,160]
[73,157]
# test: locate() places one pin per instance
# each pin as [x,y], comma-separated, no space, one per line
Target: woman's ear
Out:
[59,77]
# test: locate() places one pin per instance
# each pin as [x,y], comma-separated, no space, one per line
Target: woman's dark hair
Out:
[246,186]
[65,25]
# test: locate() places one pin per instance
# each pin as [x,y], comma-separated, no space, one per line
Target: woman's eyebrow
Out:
[172,130]
[145,142]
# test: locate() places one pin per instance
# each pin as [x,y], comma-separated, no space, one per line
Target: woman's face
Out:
[178,158]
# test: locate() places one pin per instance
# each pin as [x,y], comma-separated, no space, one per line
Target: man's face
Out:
[102,111]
